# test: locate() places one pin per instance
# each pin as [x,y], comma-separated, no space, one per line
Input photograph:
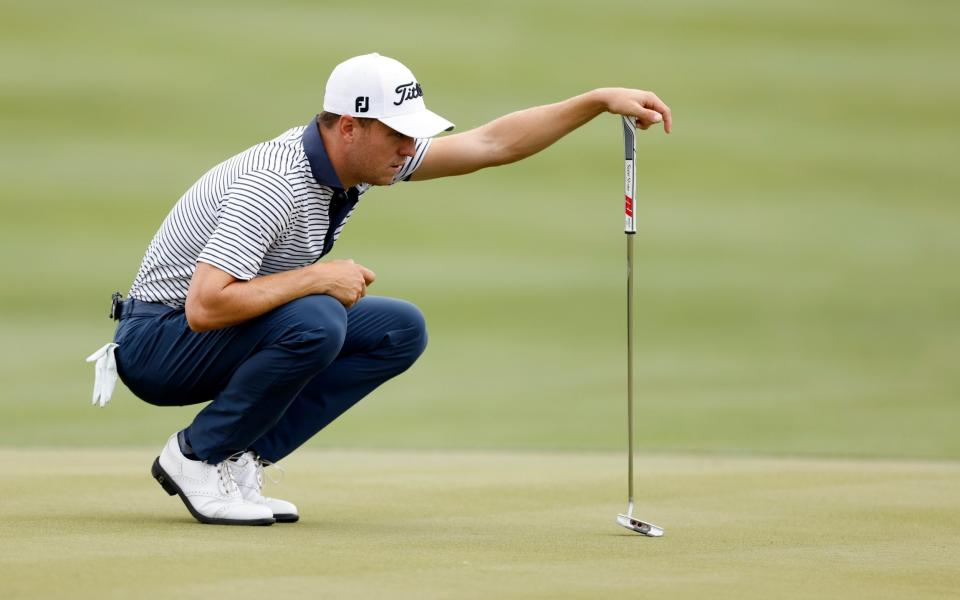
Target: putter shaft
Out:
[630,244]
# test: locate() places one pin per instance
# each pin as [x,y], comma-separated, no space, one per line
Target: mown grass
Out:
[92,524]
[797,297]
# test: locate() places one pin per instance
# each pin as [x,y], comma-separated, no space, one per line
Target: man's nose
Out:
[408,146]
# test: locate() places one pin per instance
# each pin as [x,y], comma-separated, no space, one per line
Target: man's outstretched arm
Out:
[520,134]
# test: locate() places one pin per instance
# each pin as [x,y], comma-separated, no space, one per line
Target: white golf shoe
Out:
[209,491]
[247,470]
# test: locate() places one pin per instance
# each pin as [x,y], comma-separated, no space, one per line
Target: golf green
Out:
[93,524]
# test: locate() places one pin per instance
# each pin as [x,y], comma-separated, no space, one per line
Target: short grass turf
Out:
[796,258]
[93,524]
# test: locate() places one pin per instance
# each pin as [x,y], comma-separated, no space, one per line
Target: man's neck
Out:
[335,153]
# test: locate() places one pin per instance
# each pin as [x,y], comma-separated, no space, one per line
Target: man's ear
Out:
[347,127]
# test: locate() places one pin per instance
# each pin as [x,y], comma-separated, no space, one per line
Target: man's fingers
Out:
[653,110]
[648,118]
[667,119]
[368,275]
[656,104]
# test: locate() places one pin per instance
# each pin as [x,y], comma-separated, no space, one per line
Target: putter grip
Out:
[629,174]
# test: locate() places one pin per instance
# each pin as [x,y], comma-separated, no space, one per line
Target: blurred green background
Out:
[799,231]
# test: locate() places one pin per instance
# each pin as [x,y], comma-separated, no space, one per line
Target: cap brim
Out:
[422,124]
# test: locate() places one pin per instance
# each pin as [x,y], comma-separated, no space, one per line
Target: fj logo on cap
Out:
[362,104]
[408,91]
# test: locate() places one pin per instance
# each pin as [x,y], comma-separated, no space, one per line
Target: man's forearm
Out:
[216,299]
[524,133]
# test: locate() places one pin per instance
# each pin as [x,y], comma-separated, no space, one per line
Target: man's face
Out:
[378,153]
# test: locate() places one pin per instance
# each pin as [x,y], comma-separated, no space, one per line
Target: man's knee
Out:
[409,335]
[314,325]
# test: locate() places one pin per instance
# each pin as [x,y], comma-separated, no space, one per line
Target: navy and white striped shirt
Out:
[275,207]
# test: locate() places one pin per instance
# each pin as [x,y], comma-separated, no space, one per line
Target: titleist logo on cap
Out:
[407,91]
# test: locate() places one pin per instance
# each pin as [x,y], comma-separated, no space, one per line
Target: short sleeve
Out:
[413,162]
[254,213]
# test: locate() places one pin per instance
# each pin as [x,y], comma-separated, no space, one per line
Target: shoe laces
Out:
[241,460]
[228,484]
[262,464]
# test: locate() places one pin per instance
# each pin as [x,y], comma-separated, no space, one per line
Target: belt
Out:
[138,308]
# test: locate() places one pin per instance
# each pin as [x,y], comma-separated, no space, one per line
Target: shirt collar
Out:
[320,164]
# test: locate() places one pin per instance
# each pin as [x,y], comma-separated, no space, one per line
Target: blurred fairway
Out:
[798,251]
[798,292]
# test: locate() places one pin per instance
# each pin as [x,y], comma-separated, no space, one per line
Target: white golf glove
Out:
[105,378]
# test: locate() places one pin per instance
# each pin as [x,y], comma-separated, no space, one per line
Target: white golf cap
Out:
[381,88]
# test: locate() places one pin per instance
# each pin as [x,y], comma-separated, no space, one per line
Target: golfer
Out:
[233,302]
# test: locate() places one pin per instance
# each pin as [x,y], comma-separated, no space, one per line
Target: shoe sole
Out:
[168,485]
[286,518]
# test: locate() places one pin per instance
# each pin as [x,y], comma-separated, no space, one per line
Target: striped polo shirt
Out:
[275,207]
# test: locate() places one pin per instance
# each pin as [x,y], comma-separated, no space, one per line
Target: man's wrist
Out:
[314,279]
[598,100]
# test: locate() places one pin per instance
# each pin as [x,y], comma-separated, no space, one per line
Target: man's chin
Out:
[384,180]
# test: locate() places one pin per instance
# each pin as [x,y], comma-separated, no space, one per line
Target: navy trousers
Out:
[275,380]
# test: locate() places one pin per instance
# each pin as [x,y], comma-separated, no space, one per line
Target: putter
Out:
[630,228]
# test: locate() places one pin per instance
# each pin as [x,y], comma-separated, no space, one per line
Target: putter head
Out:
[647,529]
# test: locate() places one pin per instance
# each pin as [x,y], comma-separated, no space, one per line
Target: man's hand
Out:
[345,280]
[645,106]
